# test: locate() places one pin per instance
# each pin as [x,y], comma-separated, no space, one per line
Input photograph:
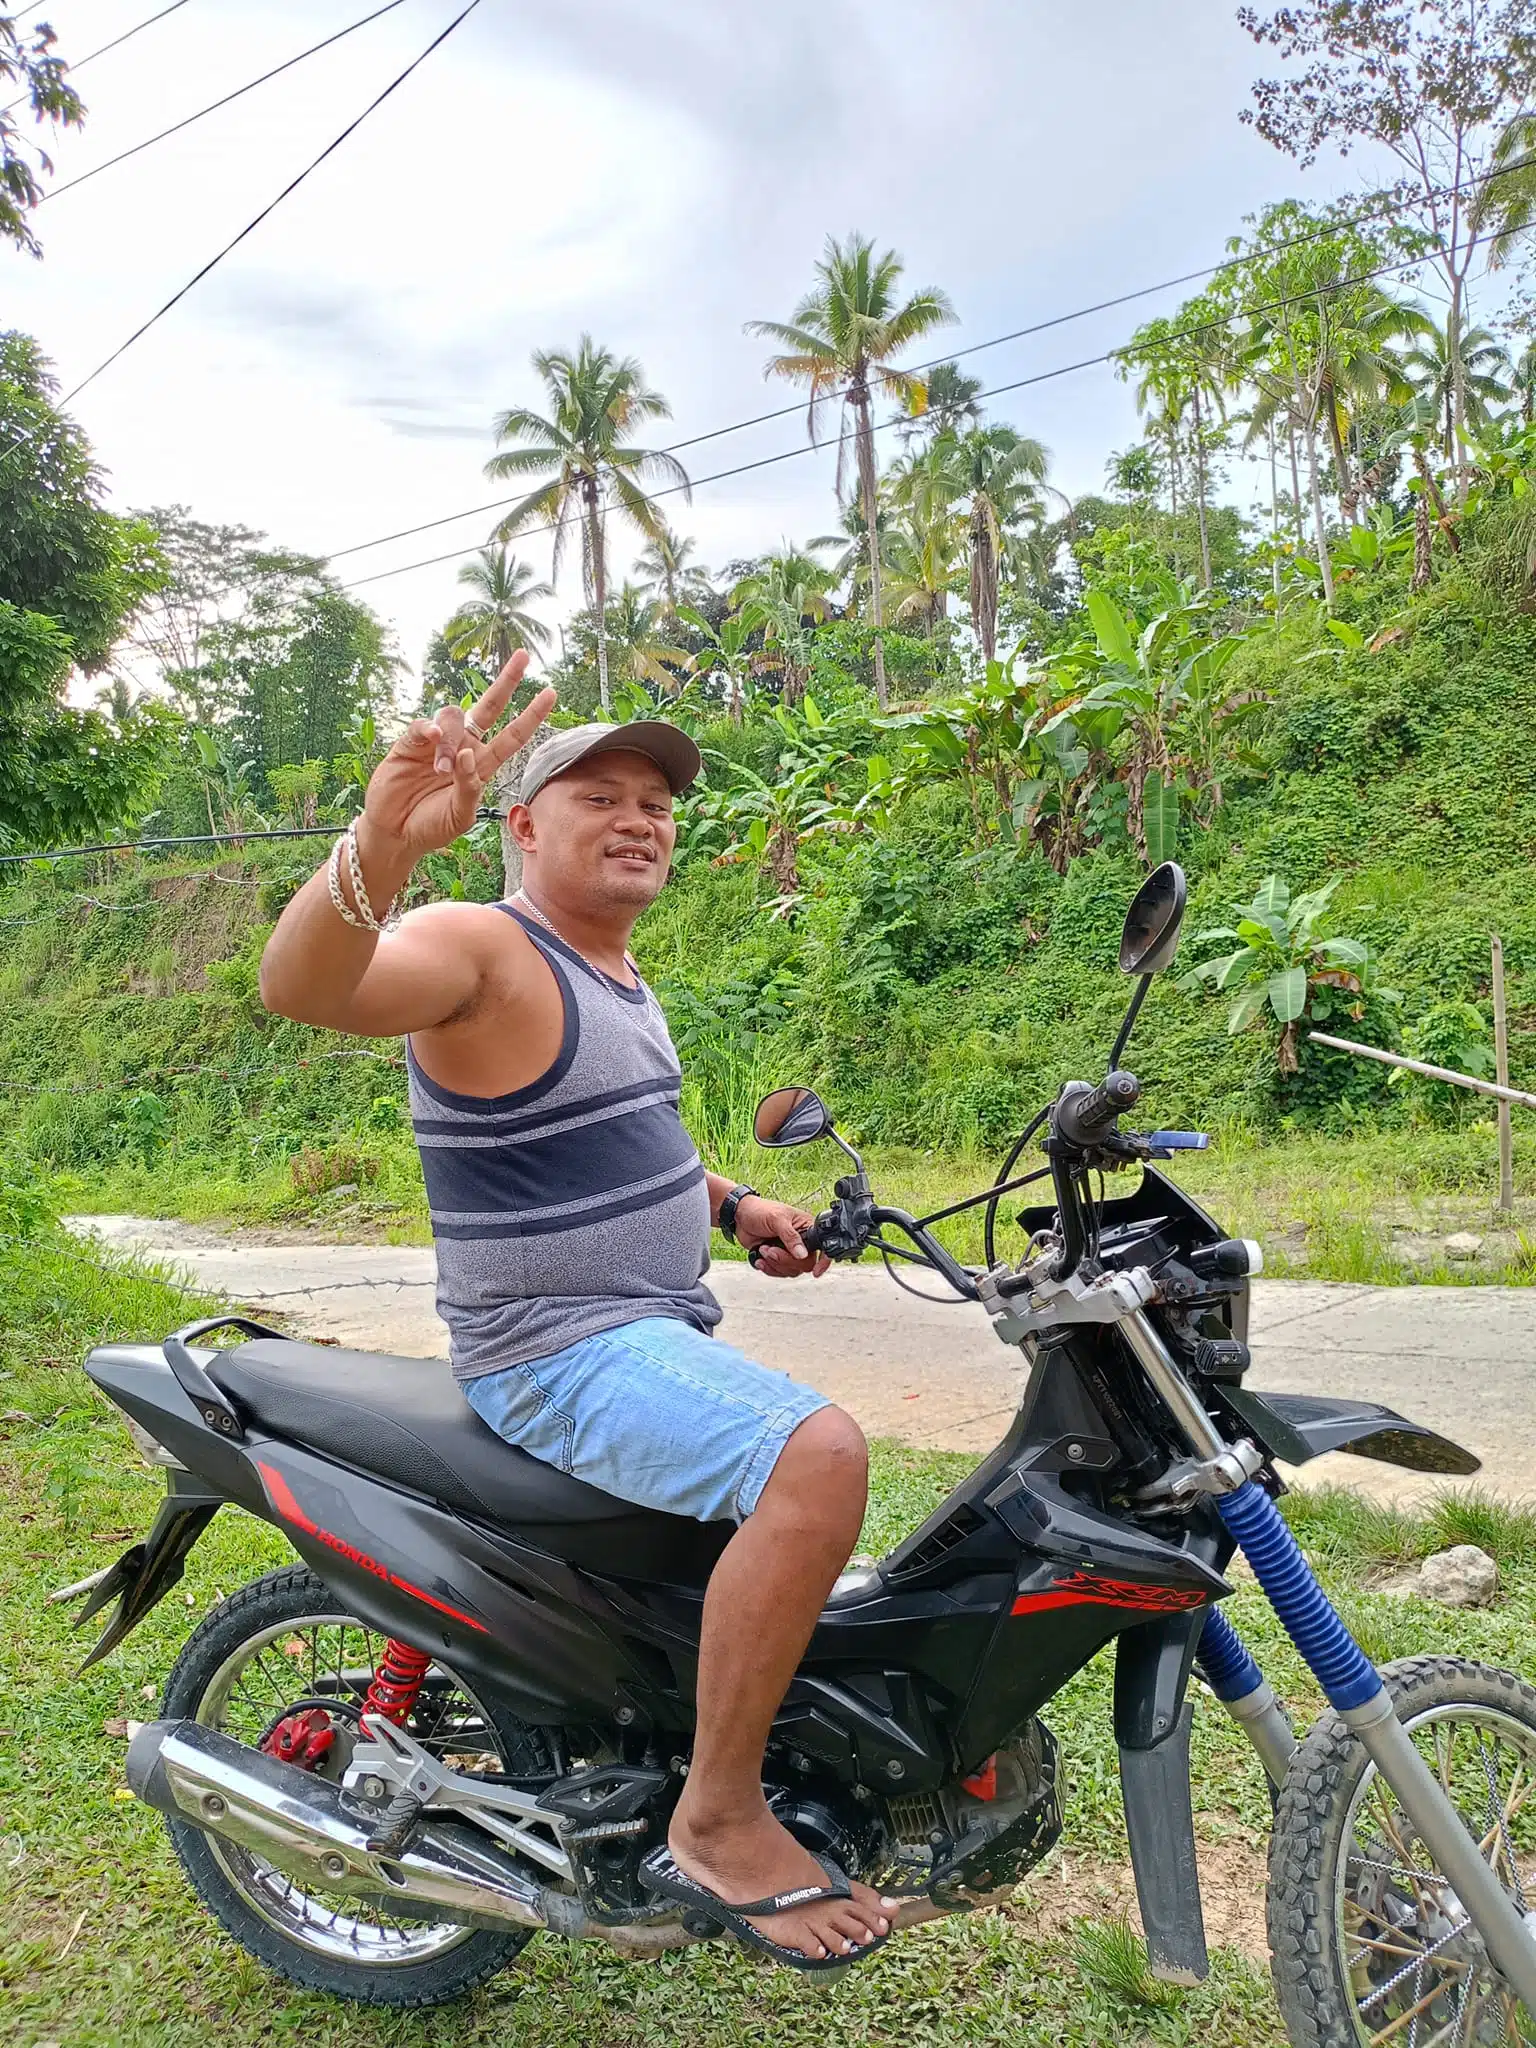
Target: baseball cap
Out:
[667,745]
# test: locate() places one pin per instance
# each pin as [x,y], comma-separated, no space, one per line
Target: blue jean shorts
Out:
[655,1412]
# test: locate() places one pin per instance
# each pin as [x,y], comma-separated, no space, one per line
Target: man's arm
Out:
[319,969]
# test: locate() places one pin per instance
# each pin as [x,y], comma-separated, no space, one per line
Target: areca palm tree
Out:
[496,621]
[839,343]
[1185,366]
[582,455]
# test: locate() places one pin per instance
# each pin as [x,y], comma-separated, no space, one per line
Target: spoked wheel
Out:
[283,1649]
[1371,1944]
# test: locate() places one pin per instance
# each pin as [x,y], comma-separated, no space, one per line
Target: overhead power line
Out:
[1386,202]
[127,35]
[214,105]
[116,43]
[881,426]
[251,226]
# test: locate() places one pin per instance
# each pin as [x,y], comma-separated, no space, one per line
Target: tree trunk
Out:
[1458,408]
[1290,430]
[1205,538]
[599,593]
[1347,495]
[1274,519]
[1325,566]
[864,440]
[983,585]
[1421,540]
[505,784]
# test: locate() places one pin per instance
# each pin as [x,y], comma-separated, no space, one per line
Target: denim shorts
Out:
[655,1412]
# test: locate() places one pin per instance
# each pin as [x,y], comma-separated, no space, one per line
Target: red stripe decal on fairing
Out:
[1084,1589]
[280,1494]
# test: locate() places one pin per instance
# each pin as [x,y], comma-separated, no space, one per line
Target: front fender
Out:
[1299,1427]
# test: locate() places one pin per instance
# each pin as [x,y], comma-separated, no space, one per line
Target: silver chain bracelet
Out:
[362,919]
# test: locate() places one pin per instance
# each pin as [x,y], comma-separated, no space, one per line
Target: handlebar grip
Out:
[811,1236]
[1084,1114]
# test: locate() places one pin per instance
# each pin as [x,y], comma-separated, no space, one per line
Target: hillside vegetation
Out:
[937,983]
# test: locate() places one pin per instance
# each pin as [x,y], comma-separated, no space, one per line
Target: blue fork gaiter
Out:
[1346,1675]
[1224,1661]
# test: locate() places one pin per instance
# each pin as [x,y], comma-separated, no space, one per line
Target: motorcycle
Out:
[466,1715]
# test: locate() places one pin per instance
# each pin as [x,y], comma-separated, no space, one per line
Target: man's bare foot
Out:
[754,1856]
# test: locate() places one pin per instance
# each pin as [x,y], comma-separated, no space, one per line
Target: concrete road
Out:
[1462,1360]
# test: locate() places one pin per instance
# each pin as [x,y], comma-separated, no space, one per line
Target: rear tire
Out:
[426,1965]
[1355,1899]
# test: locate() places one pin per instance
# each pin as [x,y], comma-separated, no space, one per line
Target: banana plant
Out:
[1285,964]
[1157,688]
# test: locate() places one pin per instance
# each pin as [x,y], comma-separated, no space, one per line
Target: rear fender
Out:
[1299,1427]
[144,1574]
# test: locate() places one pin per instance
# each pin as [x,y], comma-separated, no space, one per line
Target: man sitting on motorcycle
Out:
[572,1215]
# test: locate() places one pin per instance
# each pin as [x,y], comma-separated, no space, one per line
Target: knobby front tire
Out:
[1368,1942]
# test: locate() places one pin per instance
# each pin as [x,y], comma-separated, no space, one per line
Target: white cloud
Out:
[653,174]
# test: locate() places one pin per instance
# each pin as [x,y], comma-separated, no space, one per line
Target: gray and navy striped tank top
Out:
[575,1204]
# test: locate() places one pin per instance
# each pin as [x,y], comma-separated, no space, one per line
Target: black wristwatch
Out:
[726,1221]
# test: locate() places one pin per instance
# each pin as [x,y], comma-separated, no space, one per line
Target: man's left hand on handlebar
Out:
[771,1232]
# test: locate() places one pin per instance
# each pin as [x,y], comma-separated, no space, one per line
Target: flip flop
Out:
[661,1873]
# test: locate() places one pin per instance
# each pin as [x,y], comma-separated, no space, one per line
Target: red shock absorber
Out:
[396,1683]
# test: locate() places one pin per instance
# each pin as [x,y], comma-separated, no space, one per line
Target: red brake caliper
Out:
[305,1739]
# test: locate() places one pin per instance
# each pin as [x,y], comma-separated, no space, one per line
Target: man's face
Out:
[602,833]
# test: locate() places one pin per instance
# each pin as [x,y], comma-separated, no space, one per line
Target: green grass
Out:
[101,1943]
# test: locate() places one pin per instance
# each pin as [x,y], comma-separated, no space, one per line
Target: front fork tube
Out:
[1347,1676]
[1224,1662]
[1354,1689]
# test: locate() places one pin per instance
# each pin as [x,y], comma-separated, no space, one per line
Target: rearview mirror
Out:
[1150,936]
[791,1116]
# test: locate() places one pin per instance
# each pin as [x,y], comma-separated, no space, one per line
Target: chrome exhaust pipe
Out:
[299,1824]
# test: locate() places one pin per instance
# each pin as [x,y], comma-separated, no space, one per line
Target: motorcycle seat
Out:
[404,1420]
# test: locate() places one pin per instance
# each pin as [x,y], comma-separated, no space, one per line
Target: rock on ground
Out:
[1462,1576]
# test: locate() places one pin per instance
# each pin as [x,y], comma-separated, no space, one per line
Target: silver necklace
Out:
[522,896]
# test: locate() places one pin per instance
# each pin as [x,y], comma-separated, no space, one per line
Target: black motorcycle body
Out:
[581,1613]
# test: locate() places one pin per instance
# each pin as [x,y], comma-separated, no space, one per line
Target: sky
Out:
[653,172]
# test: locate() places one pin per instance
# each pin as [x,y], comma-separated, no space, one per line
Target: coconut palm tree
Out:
[633,635]
[496,621]
[665,566]
[1505,202]
[839,343]
[953,404]
[1000,473]
[787,596]
[581,454]
[1486,378]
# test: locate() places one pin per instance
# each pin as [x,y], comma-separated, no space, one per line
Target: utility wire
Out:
[235,838]
[128,35]
[116,43]
[1386,202]
[995,391]
[251,226]
[214,105]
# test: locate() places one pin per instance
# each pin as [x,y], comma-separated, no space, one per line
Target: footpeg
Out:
[396,1825]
